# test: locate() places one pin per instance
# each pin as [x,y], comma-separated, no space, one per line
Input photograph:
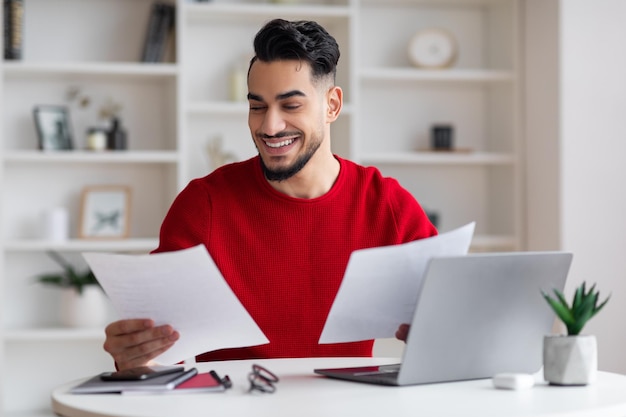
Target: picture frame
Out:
[53,127]
[105,212]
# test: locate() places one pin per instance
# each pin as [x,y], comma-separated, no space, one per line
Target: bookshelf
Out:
[174,110]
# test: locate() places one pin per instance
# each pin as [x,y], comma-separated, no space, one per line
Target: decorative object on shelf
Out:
[13,29]
[69,277]
[110,109]
[239,79]
[442,137]
[97,138]
[74,94]
[116,136]
[53,127]
[83,302]
[105,212]
[55,224]
[433,49]
[88,310]
[572,359]
[161,25]
[112,135]
[217,156]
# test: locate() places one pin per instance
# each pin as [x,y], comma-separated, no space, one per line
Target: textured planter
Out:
[88,310]
[570,360]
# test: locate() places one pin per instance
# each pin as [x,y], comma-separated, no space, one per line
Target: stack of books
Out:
[180,382]
[13,28]
[159,32]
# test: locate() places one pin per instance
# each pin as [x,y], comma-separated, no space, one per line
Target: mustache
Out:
[277,135]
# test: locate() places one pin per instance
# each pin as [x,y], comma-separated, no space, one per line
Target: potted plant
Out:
[572,359]
[83,303]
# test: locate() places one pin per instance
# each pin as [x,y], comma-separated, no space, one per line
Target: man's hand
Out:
[403,332]
[135,342]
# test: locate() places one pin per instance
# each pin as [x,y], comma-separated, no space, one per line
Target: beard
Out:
[284,173]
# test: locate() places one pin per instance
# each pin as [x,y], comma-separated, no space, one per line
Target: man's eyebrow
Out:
[282,96]
[289,94]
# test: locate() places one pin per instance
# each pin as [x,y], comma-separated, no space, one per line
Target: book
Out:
[151,33]
[160,28]
[96,385]
[204,382]
[13,28]
[165,29]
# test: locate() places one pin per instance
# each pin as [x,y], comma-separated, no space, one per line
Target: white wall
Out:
[593,127]
[577,150]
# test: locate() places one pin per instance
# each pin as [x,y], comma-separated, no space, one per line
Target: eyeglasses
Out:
[262,380]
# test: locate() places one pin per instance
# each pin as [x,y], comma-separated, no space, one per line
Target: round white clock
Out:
[432,48]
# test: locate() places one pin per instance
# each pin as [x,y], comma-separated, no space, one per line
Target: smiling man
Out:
[281,226]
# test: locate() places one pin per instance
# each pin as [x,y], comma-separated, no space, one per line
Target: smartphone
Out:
[141,373]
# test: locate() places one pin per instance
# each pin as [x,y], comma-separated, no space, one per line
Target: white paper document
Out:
[184,289]
[381,286]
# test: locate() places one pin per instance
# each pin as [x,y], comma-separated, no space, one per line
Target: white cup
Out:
[55,224]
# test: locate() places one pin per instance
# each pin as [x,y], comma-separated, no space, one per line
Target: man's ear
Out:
[334,101]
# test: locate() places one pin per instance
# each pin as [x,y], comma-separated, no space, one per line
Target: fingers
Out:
[136,342]
[403,332]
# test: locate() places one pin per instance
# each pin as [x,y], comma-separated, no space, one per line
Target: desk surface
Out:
[302,393]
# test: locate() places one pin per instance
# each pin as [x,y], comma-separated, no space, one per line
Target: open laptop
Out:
[477,315]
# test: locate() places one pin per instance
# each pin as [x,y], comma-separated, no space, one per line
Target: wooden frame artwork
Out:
[105,212]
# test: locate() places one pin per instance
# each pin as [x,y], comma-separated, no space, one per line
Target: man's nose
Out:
[273,123]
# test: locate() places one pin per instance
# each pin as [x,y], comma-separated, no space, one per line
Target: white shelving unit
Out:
[93,45]
[398,103]
[174,111]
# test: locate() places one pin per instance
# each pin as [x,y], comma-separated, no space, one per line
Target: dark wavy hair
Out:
[299,40]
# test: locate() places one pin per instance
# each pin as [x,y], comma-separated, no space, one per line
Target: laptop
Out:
[477,315]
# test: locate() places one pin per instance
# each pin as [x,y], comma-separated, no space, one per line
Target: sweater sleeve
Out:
[187,221]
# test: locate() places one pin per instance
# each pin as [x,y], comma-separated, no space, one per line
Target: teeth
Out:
[279,144]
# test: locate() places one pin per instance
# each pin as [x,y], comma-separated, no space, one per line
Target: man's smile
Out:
[279,144]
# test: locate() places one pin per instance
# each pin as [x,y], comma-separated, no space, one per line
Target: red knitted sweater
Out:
[285,257]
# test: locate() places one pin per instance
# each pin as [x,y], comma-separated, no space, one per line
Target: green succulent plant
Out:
[584,307]
[69,278]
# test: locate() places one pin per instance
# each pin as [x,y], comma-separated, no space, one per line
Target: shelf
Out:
[439,158]
[78,156]
[448,75]
[484,243]
[437,3]
[80,245]
[54,334]
[25,68]
[221,11]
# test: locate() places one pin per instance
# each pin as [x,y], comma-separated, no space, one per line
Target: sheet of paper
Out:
[184,289]
[381,286]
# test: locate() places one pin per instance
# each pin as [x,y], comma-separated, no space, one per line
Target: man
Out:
[282,225]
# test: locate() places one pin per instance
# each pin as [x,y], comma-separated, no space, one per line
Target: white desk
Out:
[301,393]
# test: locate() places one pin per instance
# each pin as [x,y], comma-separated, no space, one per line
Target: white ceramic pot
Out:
[86,310]
[570,360]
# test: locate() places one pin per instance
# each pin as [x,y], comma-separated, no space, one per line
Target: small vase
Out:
[86,310]
[570,360]
[116,136]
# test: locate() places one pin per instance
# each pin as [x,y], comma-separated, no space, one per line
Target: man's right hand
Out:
[135,342]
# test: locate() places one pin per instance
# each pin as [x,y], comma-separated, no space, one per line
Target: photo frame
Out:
[53,127]
[105,212]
